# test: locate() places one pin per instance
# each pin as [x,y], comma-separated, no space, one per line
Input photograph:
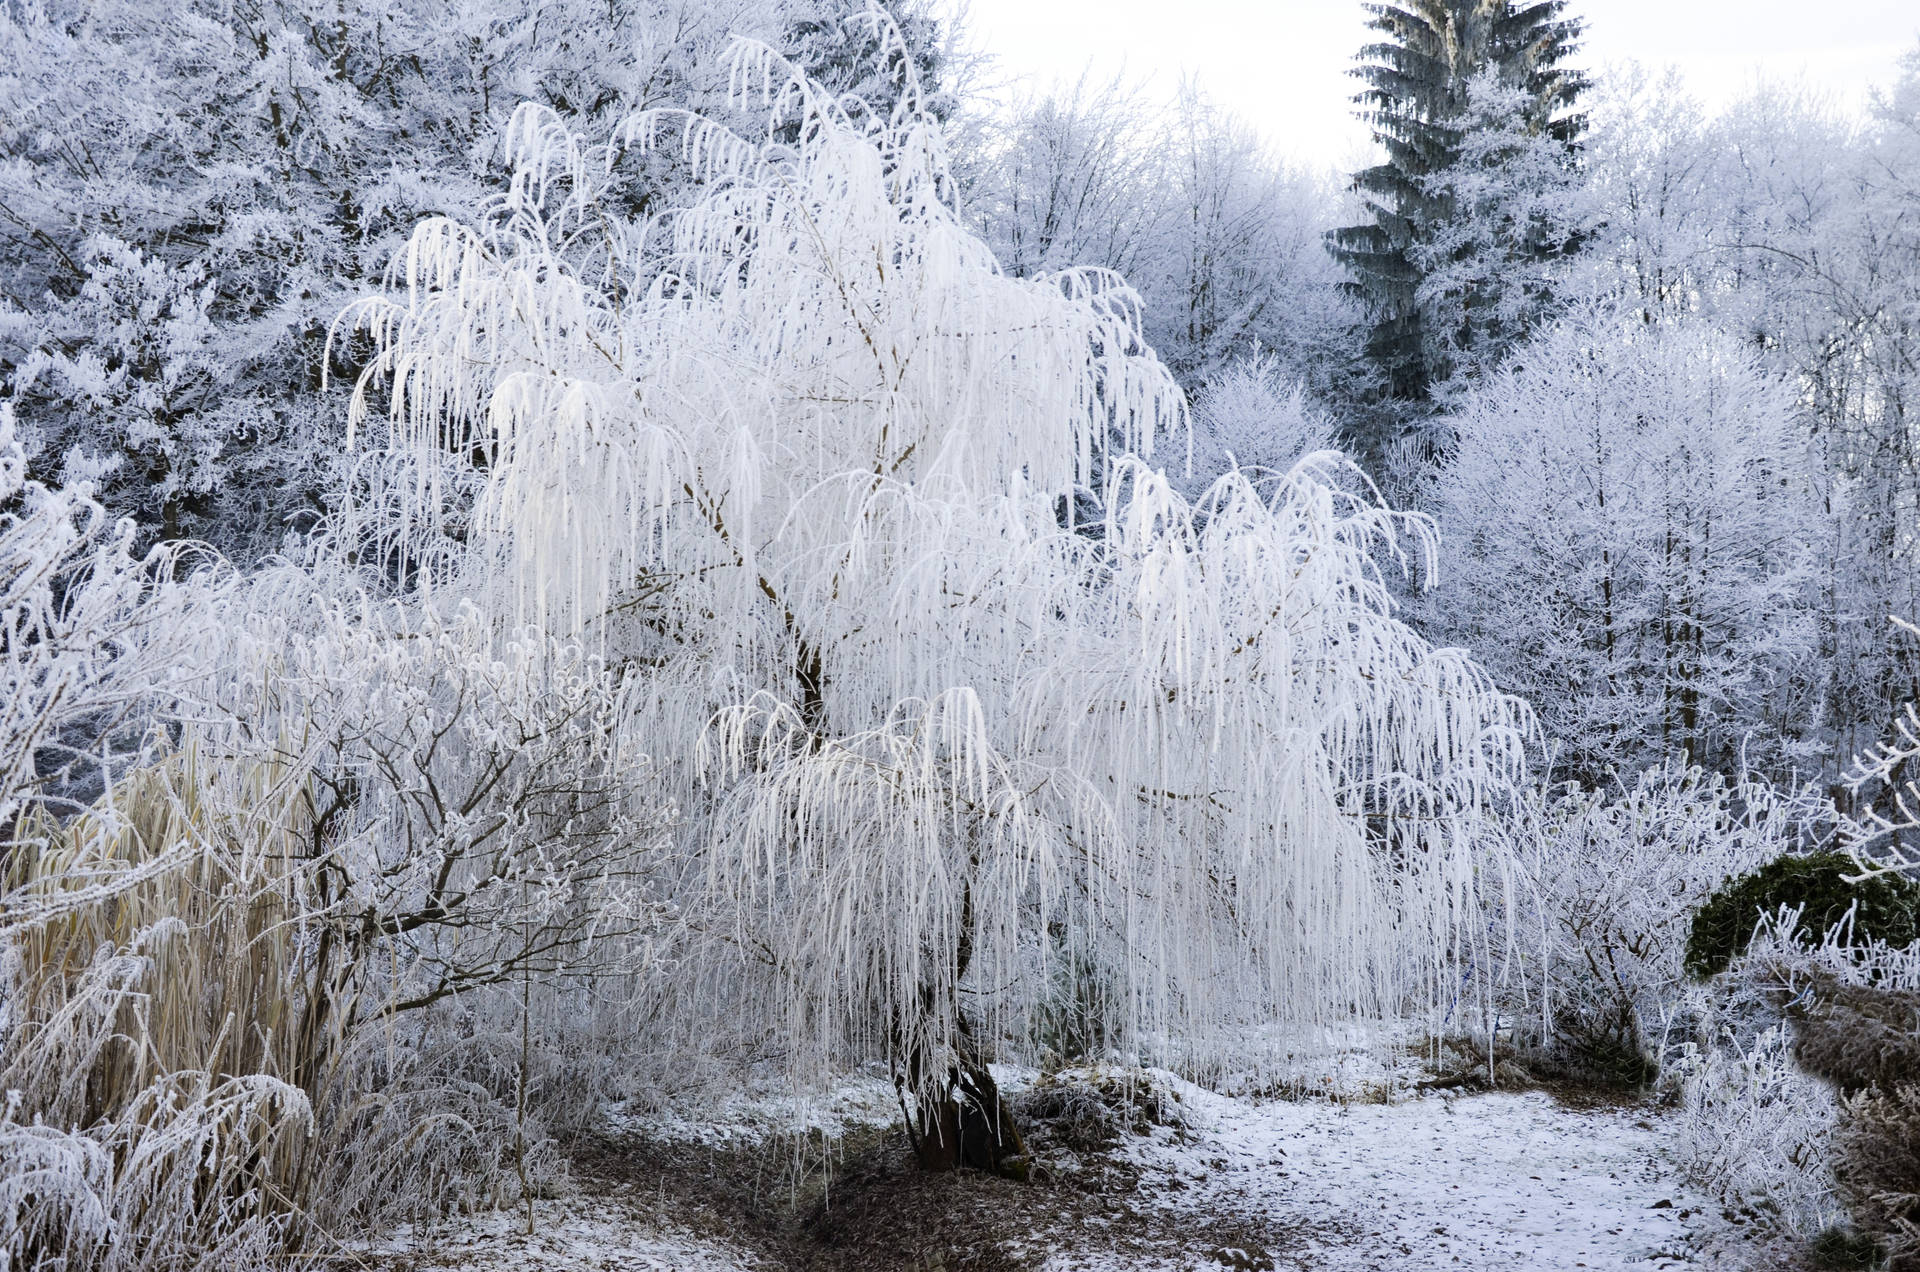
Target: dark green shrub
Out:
[1889,907]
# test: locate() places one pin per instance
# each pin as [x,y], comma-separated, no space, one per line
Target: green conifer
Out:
[1417,95]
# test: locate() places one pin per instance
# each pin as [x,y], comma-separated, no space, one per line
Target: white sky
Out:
[1281,63]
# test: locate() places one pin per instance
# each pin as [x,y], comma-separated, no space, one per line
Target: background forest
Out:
[568,551]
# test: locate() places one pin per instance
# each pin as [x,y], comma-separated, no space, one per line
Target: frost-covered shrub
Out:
[1614,878]
[1886,839]
[173,1184]
[1856,1035]
[479,891]
[1092,1107]
[1757,1132]
[1850,1014]
[127,1138]
[1252,416]
[429,1121]
[318,962]
[89,629]
[1858,1025]
[1822,888]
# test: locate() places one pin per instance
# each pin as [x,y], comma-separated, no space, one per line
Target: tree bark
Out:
[968,1124]
[960,1118]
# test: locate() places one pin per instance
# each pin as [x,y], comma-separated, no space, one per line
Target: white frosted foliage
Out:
[803,461]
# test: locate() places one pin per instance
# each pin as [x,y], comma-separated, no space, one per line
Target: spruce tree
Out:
[1416,100]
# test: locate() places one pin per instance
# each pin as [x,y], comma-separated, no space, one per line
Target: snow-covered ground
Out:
[1507,1181]
[1516,1182]
[580,1234]
[767,1109]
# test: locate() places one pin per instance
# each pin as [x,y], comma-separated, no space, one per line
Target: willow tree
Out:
[793,456]
[1418,100]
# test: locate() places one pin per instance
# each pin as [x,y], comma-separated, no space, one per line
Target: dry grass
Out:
[152,1042]
[196,1079]
[1879,1166]
[221,954]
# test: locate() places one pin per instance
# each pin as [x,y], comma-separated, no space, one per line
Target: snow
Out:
[1485,1181]
[766,1109]
[1508,1181]
[576,1233]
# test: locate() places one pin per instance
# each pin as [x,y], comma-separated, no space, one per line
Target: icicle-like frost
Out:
[1883,840]
[799,473]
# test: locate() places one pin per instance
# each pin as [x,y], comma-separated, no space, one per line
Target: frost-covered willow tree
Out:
[798,458]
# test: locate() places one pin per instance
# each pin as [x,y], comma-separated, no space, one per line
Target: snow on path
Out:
[574,1234]
[1508,1181]
[1514,1182]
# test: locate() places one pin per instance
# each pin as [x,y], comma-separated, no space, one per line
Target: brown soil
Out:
[874,1209]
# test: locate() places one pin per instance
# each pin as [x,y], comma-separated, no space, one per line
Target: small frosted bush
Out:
[1614,880]
[1253,417]
[1758,1132]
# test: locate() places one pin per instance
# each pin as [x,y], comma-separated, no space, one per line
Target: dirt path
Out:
[1514,1182]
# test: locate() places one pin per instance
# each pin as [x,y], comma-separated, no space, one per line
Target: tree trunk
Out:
[968,1124]
[959,1118]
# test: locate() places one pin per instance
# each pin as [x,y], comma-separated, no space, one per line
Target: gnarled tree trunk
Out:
[959,1117]
[964,1121]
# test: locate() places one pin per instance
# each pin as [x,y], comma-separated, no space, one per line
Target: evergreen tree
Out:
[1492,269]
[1418,100]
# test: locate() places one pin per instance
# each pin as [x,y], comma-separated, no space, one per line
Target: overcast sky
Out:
[1281,63]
